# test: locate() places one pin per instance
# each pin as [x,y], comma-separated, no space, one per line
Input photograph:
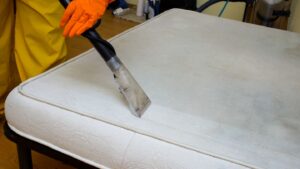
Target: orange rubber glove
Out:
[81,15]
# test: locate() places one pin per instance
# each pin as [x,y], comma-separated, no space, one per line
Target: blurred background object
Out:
[210,3]
[270,13]
[236,10]
[119,7]
[183,4]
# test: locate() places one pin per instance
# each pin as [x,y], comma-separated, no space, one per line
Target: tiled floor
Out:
[8,155]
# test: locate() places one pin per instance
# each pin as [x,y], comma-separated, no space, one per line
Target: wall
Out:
[233,10]
[132,1]
[294,20]
[236,11]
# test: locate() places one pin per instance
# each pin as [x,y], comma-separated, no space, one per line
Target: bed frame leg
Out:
[24,154]
[25,146]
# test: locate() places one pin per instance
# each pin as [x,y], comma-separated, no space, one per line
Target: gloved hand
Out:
[81,15]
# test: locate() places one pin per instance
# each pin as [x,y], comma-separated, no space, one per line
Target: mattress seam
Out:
[92,49]
[144,133]
[126,149]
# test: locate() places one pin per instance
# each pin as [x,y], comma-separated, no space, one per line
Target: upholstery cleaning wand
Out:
[137,99]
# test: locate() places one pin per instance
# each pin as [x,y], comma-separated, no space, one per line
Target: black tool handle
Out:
[65,3]
[102,46]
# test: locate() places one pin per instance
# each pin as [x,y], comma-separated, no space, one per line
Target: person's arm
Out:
[81,15]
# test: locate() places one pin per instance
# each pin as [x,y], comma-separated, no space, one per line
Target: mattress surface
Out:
[224,95]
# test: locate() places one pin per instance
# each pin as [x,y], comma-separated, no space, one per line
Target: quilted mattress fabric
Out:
[224,95]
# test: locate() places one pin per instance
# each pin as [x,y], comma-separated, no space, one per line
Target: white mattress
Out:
[224,95]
